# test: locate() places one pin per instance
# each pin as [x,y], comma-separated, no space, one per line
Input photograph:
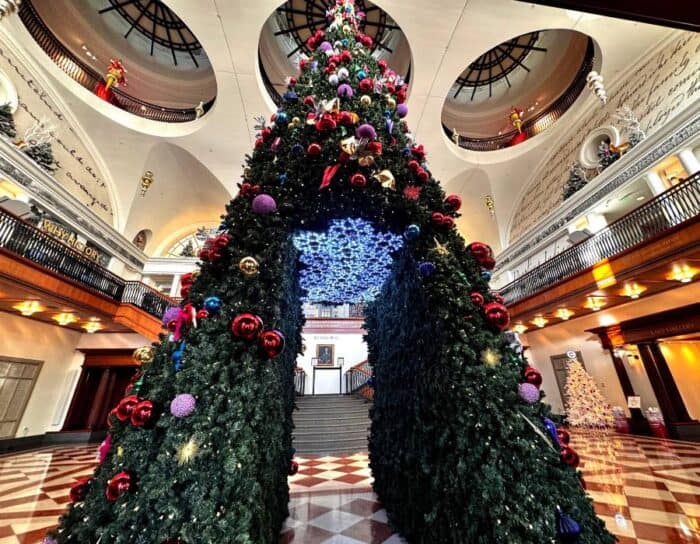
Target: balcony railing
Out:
[25,240]
[299,381]
[356,381]
[669,209]
[87,77]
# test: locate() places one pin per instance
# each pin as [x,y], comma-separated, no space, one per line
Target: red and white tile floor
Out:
[647,491]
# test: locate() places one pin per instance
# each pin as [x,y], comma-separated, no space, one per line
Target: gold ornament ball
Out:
[365,100]
[249,266]
[347,30]
[144,355]
[390,103]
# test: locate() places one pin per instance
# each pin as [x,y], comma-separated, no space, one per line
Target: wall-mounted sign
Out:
[71,239]
[634,402]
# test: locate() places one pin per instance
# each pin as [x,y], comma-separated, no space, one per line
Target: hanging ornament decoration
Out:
[594,81]
[568,531]
[386,179]
[551,431]
[142,413]
[569,456]
[516,118]
[293,468]
[213,305]
[426,269]
[564,436]
[533,376]
[412,232]
[529,393]
[264,205]
[490,357]
[144,355]
[477,298]
[497,314]
[490,205]
[182,405]
[104,448]
[483,255]
[125,407]
[271,343]
[249,266]
[454,202]
[118,485]
[177,356]
[246,326]
[79,489]
[440,249]
[187,451]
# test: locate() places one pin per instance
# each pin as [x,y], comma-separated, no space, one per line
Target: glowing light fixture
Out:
[146,182]
[632,290]
[92,325]
[682,273]
[563,313]
[539,321]
[594,303]
[65,318]
[519,328]
[346,263]
[28,307]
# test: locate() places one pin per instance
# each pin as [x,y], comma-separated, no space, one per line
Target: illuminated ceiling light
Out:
[594,303]
[519,328]
[65,318]
[92,325]
[28,307]
[632,290]
[640,198]
[539,321]
[682,273]
[563,313]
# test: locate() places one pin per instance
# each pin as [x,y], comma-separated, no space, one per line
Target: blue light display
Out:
[347,263]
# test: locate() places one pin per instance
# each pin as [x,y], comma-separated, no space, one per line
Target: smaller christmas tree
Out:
[7,121]
[606,156]
[42,154]
[36,143]
[577,179]
[585,405]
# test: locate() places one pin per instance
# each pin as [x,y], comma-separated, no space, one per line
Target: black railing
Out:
[356,379]
[540,122]
[669,209]
[25,240]
[299,381]
[87,77]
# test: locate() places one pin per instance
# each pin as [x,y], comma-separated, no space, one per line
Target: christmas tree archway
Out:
[461,447]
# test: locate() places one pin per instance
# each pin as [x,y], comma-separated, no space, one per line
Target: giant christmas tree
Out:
[460,447]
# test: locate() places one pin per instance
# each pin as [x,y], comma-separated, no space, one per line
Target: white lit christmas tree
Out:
[585,405]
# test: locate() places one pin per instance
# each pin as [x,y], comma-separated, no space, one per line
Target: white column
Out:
[655,183]
[175,285]
[689,161]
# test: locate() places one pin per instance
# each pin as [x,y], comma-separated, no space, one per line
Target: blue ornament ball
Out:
[281,117]
[406,151]
[426,269]
[486,274]
[283,179]
[412,232]
[361,74]
[552,431]
[568,530]
[213,305]
[297,149]
[290,96]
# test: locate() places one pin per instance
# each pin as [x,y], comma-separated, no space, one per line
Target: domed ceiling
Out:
[540,74]
[284,35]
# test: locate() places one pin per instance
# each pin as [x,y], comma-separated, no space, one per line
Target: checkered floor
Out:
[647,491]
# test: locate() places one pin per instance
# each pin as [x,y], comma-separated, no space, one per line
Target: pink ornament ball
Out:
[264,205]
[182,405]
[529,393]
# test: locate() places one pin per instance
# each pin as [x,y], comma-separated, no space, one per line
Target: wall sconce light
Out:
[594,303]
[92,325]
[539,321]
[28,307]
[563,313]
[146,182]
[65,318]
[520,328]
[632,290]
[682,273]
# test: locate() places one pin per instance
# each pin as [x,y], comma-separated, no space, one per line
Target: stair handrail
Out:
[357,380]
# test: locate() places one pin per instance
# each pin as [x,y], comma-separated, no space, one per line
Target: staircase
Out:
[331,425]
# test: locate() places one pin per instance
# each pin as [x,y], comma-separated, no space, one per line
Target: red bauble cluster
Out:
[454,202]
[497,315]
[533,376]
[358,180]
[213,247]
[314,149]
[186,282]
[314,41]
[246,326]
[564,436]
[118,485]
[131,408]
[442,221]
[477,298]
[249,190]
[483,255]
[569,456]
[79,489]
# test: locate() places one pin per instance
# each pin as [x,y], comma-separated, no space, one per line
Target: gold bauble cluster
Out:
[249,266]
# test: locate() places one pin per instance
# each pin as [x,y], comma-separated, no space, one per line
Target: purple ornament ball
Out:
[529,393]
[49,540]
[264,205]
[345,90]
[171,314]
[182,405]
[402,110]
[366,131]
[325,46]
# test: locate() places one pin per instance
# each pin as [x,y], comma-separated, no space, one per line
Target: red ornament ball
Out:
[533,376]
[271,343]
[125,407]
[477,298]
[366,85]
[569,456]
[413,165]
[141,414]
[79,489]
[358,180]
[382,64]
[314,149]
[118,485]
[202,314]
[423,175]
[309,101]
[497,314]
[483,255]
[564,436]
[246,326]
[454,202]
[293,468]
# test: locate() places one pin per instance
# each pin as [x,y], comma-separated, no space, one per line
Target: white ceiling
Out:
[444,35]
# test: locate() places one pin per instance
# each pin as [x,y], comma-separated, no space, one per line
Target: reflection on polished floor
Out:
[646,490]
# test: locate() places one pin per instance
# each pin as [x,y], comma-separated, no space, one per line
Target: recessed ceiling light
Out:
[640,197]
[28,307]
[682,273]
[539,321]
[92,325]
[65,318]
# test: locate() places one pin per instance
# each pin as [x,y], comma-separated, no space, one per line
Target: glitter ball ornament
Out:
[271,343]
[213,305]
[144,355]
[366,131]
[345,91]
[426,269]
[264,205]
[412,232]
[529,393]
[182,405]
[246,326]
[497,314]
[249,266]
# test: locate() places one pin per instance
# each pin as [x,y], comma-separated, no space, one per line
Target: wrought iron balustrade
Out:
[357,378]
[669,209]
[87,77]
[25,240]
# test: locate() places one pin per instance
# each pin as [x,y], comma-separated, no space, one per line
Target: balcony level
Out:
[36,267]
[651,249]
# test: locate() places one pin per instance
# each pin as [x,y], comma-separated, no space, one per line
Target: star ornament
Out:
[490,357]
[440,249]
[187,452]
